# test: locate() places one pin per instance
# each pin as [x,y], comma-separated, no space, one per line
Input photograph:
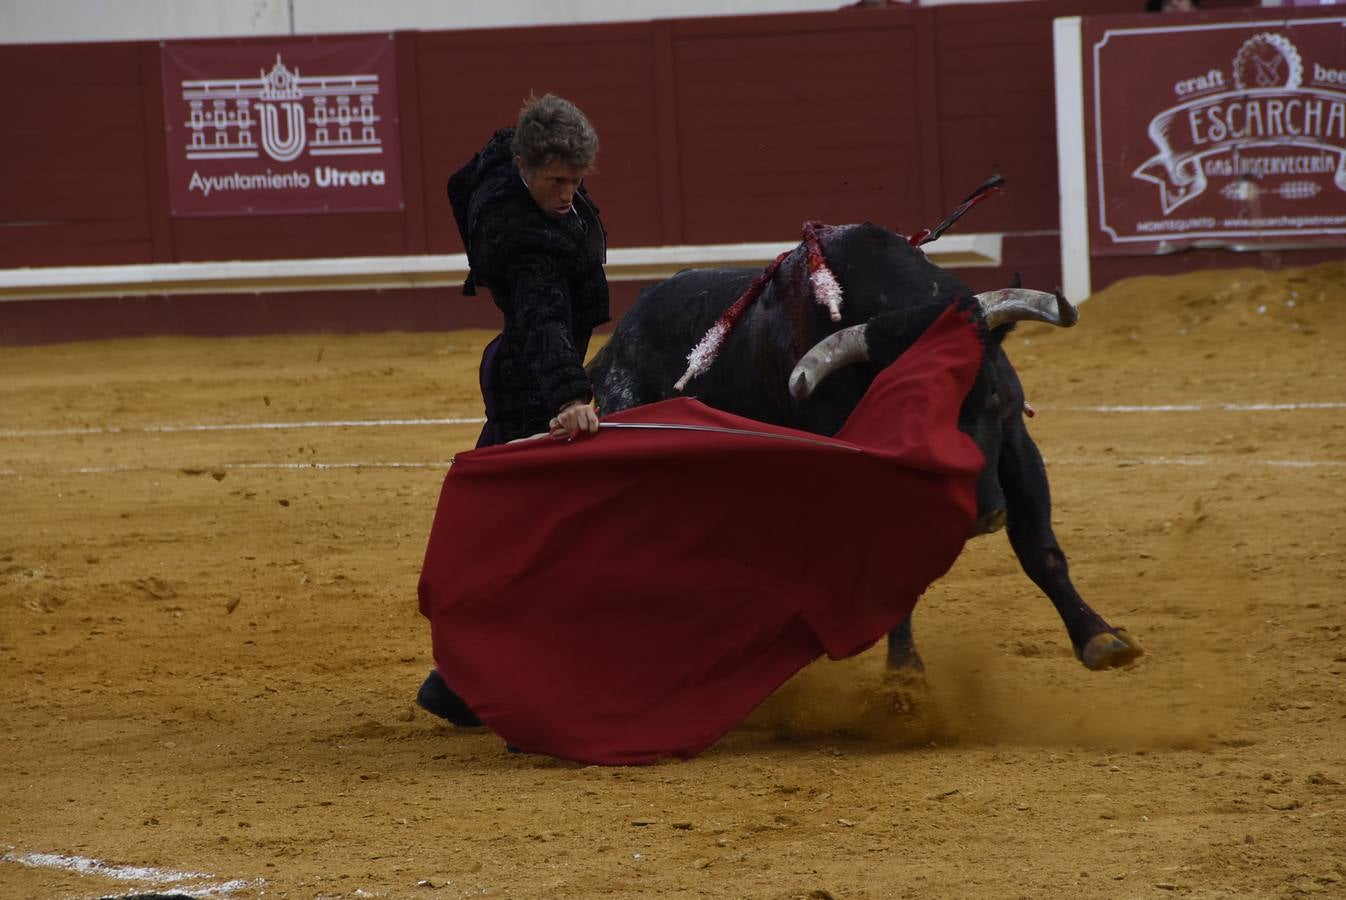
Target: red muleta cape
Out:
[635,594]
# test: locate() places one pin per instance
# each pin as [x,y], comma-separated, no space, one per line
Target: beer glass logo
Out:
[1268,61]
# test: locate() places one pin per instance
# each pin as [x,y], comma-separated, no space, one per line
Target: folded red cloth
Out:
[634,595]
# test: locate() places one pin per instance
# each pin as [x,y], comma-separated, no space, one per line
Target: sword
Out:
[717,429]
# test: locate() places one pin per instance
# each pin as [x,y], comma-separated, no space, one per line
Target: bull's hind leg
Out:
[1028,500]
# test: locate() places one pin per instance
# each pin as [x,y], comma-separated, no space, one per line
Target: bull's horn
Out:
[1021,304]
[840,348]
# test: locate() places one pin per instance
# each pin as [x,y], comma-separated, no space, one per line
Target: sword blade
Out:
[717,429]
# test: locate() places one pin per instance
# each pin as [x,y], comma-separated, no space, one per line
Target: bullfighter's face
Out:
[553,185]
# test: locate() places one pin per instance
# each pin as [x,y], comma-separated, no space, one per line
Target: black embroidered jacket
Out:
[545,275]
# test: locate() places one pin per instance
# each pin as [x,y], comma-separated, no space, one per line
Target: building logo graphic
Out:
[280,91]
[314,131]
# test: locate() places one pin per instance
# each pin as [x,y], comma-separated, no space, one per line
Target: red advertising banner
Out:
[1216,134]
[274,127]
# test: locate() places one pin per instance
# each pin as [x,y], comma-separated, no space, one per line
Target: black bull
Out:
[890,294]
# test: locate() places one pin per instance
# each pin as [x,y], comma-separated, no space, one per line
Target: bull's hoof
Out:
[903,657]
[906,690]
[1110,650]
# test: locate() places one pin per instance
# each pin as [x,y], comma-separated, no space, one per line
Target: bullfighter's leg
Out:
[1028,500]
[438,698]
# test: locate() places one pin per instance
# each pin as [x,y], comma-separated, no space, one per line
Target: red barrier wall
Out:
[713,130]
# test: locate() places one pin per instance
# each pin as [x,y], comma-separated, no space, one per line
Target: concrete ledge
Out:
[390,272]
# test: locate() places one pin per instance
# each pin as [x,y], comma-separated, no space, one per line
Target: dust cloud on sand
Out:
[978,696]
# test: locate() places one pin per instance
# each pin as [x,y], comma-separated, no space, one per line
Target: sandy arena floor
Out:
[210,644]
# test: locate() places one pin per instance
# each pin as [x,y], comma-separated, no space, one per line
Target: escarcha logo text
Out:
[1270,127]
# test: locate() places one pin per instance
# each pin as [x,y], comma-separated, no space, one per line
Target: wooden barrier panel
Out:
[73,166]
[719,130]
[716,131]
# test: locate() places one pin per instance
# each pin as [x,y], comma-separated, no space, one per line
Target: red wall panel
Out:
[289,237]
[413,174]
[472,83]
[775,129]
[73,185]
[713,130]
[726,129]
[997,107]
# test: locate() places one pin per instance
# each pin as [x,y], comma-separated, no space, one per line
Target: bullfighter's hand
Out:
[573,419]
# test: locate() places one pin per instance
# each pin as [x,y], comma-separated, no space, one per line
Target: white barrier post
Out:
[1074,189]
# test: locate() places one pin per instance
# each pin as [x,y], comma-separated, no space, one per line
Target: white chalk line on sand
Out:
[477,420]
[1208,407]
[198,883]
[238,426]
[1196,461]
[445,464]
[194,470]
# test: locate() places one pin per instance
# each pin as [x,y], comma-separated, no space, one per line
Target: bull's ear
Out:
[1017,281]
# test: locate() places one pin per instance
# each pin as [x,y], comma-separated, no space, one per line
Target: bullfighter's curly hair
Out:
[552,129]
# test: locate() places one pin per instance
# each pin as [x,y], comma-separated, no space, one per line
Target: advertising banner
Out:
[277,127]
[1216,134]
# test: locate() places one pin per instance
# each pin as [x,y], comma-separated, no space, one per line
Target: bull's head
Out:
[995,401]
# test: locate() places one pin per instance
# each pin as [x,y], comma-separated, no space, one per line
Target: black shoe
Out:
[436,697]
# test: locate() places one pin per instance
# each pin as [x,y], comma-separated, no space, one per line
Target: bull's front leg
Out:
[902,654]
[905,679]
[1028,502]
